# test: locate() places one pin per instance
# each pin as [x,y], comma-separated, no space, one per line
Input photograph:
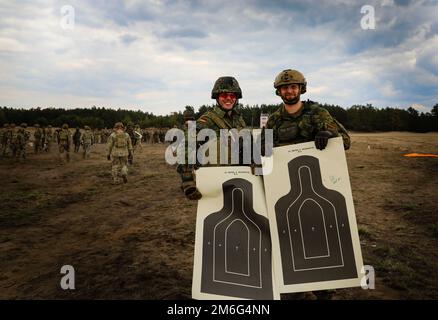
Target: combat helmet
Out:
[119,125]
[6,125]
[290,76]
[189,114]
[65,126]
[87,128]
[23,125]
[36,125]
[228,85]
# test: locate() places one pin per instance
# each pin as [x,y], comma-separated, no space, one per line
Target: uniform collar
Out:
[286,114]
[222,113]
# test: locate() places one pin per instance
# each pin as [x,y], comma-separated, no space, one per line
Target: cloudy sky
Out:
[159,56]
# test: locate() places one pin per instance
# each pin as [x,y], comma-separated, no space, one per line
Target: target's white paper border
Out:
[209,182]
[334,174]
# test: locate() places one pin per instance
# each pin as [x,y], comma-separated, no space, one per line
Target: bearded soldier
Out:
[296,121]
[119,151]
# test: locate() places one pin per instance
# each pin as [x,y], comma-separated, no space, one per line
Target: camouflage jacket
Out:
[119,144]
[21,137]
[215,119]
[38,134]
[77,137]
[87,137]
[64,137]
[303,126]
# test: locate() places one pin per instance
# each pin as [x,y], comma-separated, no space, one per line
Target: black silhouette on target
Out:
[313,228]
[237,247]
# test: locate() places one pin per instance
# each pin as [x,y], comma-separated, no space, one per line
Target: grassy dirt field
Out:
[136,240]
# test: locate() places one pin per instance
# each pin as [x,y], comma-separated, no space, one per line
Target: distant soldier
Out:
[64,141]
[48,138]
[37,135]
[20,140]
[4,139]
[130,131]
[13,138]
[119,151]
[98,136]
[155,137]
[146,135]
[87,141]
[77,139]
[136,143]
[161,135]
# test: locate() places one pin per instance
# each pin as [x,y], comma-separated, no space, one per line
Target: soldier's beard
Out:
[291,101]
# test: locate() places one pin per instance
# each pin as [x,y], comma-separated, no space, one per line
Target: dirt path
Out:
[135,241]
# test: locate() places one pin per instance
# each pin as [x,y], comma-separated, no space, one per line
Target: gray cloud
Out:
[165,54]
[128,39]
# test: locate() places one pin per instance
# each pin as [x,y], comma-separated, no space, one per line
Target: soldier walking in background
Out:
[64,142]
[119,151]
[48,138]
[20,140]
[77,139]
[4,139]
[37,136]
[87,141]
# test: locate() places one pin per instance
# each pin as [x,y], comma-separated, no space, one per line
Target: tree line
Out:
[356,118]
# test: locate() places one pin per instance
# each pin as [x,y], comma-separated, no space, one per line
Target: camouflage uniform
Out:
[310,122]
[215,119]
[20,139]
[13,140]
[4,139]
[64,141]
[119,149]
[136,138]
[87,141]
[37,135]
[77,140]
[48,138]
[303,126]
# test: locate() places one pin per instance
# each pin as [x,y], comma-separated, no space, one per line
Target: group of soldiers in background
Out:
[13,139]
[14,142]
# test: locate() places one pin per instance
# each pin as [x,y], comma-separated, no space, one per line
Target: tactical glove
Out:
[321,139]
[190,190]
[108,157]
